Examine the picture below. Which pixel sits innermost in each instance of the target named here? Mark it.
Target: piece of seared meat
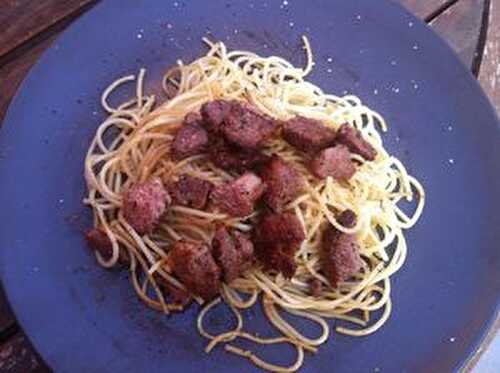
(99, 241)
(232, 158)
(233, 251)
(239, 123)
(143, 204)
(190, 191)
(277, 237)
(315, 287)
(190, 139)
(194, 265)
(340, 258)
(193, 119)
(238, 197)
(214, 113)
(246, 128)
(283, 182)
(307, 135)
(353, 139)
(177, 295)
(335, 162)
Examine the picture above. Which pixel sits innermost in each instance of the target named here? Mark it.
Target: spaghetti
(132, 145)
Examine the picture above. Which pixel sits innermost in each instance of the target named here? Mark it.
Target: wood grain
(17, 355)
(23, 19)
(13, 72)
(423, 9)
(460, 25)
(7, 320)
(489, 72)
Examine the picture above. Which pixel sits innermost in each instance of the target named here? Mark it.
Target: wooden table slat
(23, 19)
(423, 9)
(7, 319)
(13, 73)
(17, 355)
(460, 25)
(489, 72)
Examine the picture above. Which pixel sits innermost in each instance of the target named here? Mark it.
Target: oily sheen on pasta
(133, 145)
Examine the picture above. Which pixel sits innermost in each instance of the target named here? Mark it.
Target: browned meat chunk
(283, 183)
(143, 204)
(214, 113)
(231, 158)
(335, 162)
(179, 296)
(240, 124)
(285, 228)
(247, 128)
(176, 295)
(190, 191)
(277, 238)
(99, 241)
(352, 138)
(190, 139)
(308, 135)
(238, 197)
(340, 257)
(315, 287)
(347, 218)
(233, 251)
(195, 267)
(277, 256)
(193, 119)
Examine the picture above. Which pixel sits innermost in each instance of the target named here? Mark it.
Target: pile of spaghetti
(133, 145)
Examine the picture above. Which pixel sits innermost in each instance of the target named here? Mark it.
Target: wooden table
(471, 27)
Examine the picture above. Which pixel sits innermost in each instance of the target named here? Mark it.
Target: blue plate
(85, 319)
